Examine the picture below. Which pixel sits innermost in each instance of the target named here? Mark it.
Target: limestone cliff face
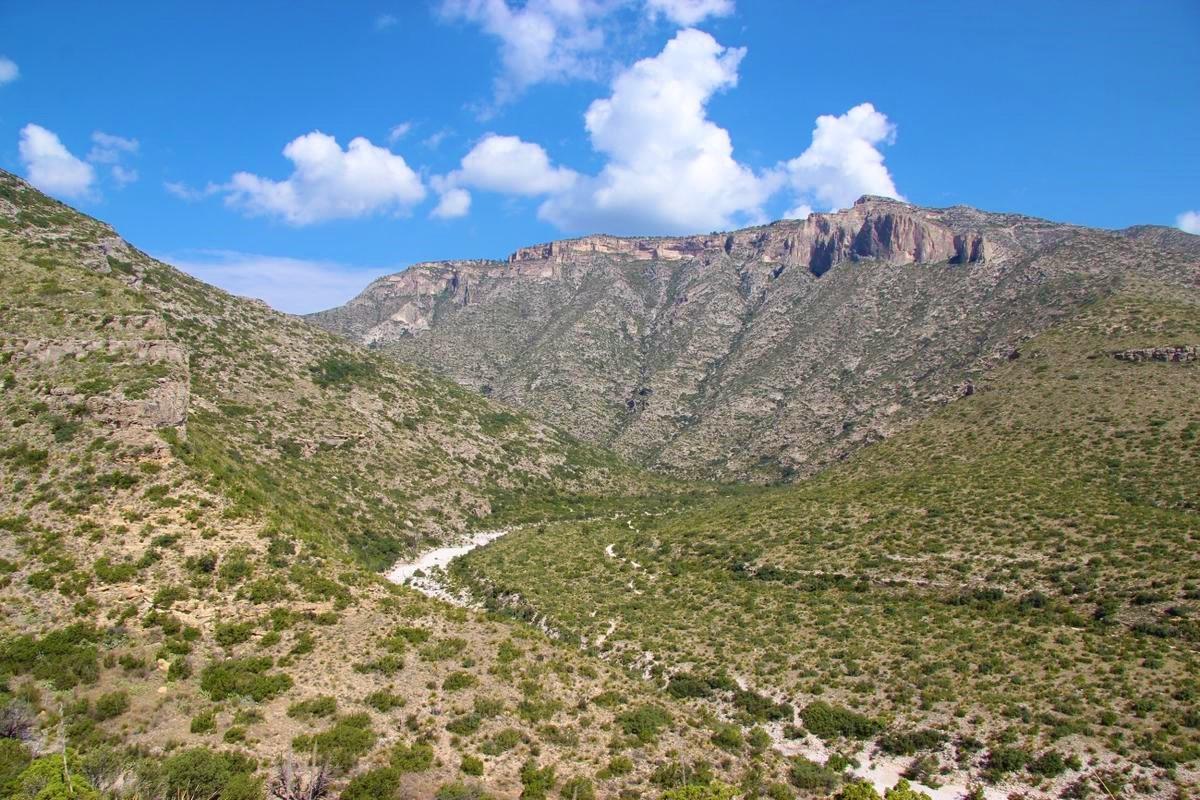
(762, 353)
(875, 228)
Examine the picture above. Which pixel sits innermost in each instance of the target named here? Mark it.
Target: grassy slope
(1068, 481)
(247, 534)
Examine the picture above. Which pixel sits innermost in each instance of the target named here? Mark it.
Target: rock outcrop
(1175, 354)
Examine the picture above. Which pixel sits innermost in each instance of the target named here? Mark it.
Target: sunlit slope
(285, 419)
(194, 490)
(1022, 568)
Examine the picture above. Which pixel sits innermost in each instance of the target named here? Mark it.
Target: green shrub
(728, 737)
(829, 722)
(45, 779)
(578, 788)
(14, 758)
(200, 772)
(443, 649)
(412, 758)
(66, 657)
(109, 572)
(537, 782)
(341, 369)
(760, 708)
(464, 724)
(501, 742)
(322, 706)
(644, 722)
(858, 790)
(227, 634)
(709, 791)
(376, 784)
(204, 722)
(457, 681)
(343, 744)
(111, 704)
(384, 701)
(248, 677)
(472, 766)
(1049, 764)
(616, 766)
(42, 581)
(903, 791)
(460, 791)
(907, 743)
(1003, 760)
(813, 777)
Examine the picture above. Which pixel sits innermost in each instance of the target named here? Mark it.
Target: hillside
(195, 492)
(761, 354)
(1007, 591)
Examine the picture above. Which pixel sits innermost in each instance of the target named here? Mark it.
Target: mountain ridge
(677, 351)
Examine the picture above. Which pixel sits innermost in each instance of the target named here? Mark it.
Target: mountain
(761, 354)
(195, 491)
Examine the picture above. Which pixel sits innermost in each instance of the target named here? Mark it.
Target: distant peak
(876, 199)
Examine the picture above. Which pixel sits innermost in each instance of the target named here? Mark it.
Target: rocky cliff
(762, 353)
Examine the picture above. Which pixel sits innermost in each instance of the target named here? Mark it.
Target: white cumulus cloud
(844, 162)
(670, 169)
(542, 40)
(328, 183)
(508, 164)
(51, 167)
(1188, 222)
(454, 202)
(9, 71)
(689, 12)
(297, 286)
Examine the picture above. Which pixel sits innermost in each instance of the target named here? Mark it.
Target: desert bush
(204, 722)
(376, 784)
(616, 766)
(416, 757)
(228, 634)
(66, 657)
(457, 681)
(813, 777)
(536, 782)
(644, 722)
(342, 744)
(578, 788)
(322, 706)
(728, 737)
(248, 677)
(829, 722)
(200, 772)
(501, 742)
(111, 704)
(384, 701)
(464, 724)
(14, 759)
(858, 790)
(907, 743)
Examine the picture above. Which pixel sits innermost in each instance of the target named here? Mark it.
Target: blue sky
(466, 128)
